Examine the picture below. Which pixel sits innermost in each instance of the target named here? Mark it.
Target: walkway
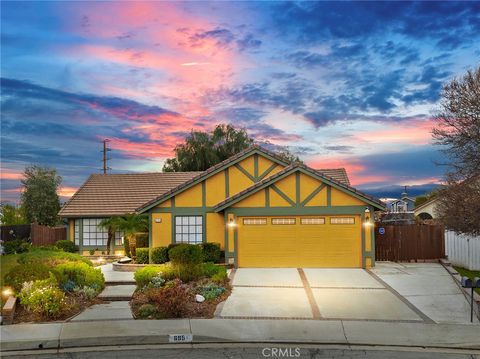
(119, 288)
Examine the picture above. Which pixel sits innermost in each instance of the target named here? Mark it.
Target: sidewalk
(135, 332)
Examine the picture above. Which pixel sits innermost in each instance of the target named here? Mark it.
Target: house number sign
(180, 338)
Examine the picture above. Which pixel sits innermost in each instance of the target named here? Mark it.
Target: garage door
(327, 241)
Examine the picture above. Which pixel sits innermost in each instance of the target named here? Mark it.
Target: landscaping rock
(200, 298)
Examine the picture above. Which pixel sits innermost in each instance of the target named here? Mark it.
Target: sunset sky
(341, 84)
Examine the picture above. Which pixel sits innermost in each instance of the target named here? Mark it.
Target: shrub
(87, 292)
(67, 246)
(216, 272)
(211, 252)
(142, 255)
(212, 291)
(146, 310)
(91, 252)
(80, 274)
(43, 297)
(159, 255)
(172, 300)
(157, 281)
(186, 254)
(28, 272)
(16, 246)
(143, 277)
(51, 257)
(170, 246)
(221, 275)
(142, 240)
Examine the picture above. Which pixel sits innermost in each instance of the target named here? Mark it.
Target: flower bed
(183, 288)
(51, 284)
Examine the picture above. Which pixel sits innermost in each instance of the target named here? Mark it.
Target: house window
(189, 229)
(283, 220)
(94, 235)
(312, 221)
(342, 220)
(76, 234)
(254, 221)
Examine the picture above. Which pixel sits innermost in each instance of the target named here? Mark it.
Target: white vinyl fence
(463, 250)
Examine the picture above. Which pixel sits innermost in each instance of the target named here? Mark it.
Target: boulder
(200, 298)
(125, 260)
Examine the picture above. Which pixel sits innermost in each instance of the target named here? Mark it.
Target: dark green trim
(227, 184)
(68, 230)
(150, 239)
(204, 195)
(285, 211)
(267, 197)
(267, 171)
(235, 243)
(225, 236)
(204, 177)
(183, 210)
(313, 194)
(281, 194)
(229, 255)
(204, 224)
(329, 196)
(172, 202)
(255, 166)
(297, 188)
(245, 172)
(307, 172)
(80, 234)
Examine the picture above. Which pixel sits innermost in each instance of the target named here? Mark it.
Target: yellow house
(266, 212)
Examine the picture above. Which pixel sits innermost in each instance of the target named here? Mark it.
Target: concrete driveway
(314, 294)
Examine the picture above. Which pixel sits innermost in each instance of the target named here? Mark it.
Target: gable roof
(210, 172)
(338, 174)
(425, 204)
(117, 194)
(289, 170)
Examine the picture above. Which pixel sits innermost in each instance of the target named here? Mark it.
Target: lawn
(468, 273)
(6, 263)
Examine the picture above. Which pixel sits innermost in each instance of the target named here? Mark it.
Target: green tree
(111, 224)
(39, 197)
(11, 215)
(203, 150)
(130, 225)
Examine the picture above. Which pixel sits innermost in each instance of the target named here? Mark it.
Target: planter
(8, 310)
(127, 267)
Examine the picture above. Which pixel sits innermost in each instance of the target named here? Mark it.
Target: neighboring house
(427, 210)
(261, 210)
(403, 205)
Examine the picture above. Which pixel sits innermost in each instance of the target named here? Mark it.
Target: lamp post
(472, 284)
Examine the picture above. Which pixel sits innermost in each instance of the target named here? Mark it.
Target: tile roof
(338, 174)
(116, 194)
(211, 170)
(287, 169)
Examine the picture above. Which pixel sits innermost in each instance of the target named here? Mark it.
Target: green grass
(468, 273)
(6, 263)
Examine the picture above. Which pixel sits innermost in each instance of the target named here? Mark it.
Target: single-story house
(403, 205)
(427, 210)
(262, 210)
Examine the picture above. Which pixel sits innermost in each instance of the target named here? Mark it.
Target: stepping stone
(117, 292)
(106, 311)
(115, 277)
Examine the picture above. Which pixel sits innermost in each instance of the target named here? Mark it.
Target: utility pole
(105, 158)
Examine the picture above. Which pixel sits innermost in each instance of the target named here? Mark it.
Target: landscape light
(7, 292)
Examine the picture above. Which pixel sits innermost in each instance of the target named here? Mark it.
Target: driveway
(429, 287)
(313, 293)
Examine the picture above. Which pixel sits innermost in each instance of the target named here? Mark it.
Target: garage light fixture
(232, 223)
(367, 222)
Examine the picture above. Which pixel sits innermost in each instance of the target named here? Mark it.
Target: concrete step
(121, 292)
(106, 311)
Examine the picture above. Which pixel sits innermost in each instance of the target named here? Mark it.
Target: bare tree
(458, 125)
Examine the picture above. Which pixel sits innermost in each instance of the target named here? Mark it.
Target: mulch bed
(204, 310)
(76, 304)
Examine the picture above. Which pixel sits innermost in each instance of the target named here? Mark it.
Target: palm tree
(130, 225)
(111, 225)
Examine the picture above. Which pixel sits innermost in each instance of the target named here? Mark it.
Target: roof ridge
(75, 194)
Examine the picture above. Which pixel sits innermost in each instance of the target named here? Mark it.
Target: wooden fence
(463, 250)
(38, 235)
(409, 242)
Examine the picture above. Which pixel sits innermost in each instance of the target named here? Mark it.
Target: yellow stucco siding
(71, 229)
(320, 199)
(161, 232)
(368, 263)
(263, 164)
(368, 243)
(237, 180)
(343, 199)
(215, 229)
(191, 197)
(255, 200)
(288, 186)
(307, 186)
(165, 204)
(215, 189)
(248, 164)
(276, 200)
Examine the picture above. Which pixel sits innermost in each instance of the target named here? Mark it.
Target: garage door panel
(299, 245)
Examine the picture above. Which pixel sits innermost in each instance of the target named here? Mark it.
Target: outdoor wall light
(7, 292)
(232, 223)
(367, 217)
(158, 220)
(471, 283)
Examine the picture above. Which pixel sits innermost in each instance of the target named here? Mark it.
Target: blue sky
(343, 84)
